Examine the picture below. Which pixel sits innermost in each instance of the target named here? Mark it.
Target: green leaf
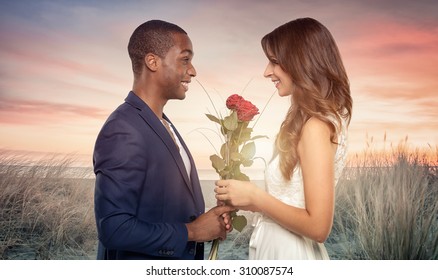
(224, 150)
(224, 131)
(213, 118)
(248, 151)
(239, 222)
(224, 174)
(236, 156)
(259, 136)
(217, 162)
(241, 177)
(244, 125)
(247, 163)
(230, 122)
(243, 136)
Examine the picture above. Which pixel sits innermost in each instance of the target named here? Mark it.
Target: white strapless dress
(270, 241)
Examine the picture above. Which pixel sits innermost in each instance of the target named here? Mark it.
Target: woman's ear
(151, 61)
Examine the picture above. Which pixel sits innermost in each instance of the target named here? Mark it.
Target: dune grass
(387, 207)
(44, 213)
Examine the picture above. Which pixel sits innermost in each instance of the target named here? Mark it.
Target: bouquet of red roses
(238, 149)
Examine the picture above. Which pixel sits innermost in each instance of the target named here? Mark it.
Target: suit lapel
(176, 153)
(194, 180)
(151, 119)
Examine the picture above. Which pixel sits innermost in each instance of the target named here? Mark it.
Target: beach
(385, 209)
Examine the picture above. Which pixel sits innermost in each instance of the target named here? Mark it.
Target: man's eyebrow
(187, 51)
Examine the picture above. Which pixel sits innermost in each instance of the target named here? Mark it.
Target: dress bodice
(292, 192)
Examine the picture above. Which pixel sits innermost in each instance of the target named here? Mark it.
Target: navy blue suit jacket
(143, 194)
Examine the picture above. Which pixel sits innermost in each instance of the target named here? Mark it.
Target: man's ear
(151, 61)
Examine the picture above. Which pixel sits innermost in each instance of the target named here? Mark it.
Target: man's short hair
(154, 36)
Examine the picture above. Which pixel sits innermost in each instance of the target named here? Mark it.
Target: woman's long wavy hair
(305, 49)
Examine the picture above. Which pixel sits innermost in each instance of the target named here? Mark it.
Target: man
(148, 200)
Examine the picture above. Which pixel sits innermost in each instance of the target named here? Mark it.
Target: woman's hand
(227, 217)
(240, 194)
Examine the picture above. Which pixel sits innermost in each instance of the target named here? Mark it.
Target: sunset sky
(65, 68)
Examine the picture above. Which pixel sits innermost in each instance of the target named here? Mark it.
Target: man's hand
(211, 225)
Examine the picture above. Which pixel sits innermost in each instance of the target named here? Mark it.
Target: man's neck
(152, 99)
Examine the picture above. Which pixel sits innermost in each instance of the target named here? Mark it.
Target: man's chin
(180, 97)
(181, 93)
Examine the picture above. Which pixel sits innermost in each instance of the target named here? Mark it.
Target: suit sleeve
(119, 163)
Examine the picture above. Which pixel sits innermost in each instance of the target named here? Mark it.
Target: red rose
(233, 101)
(246, 110)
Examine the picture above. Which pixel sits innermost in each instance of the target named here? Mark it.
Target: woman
(297, 207)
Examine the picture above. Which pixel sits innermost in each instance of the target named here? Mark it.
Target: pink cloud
(31, 112)
(386, 46)
(38, 63)
(416, 95)
(394, 61)
(40, 52)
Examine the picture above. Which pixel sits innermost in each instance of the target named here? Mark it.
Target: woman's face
(281, 80)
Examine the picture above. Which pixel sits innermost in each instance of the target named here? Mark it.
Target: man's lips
(185, 85)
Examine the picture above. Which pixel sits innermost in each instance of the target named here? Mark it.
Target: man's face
(177, 69)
